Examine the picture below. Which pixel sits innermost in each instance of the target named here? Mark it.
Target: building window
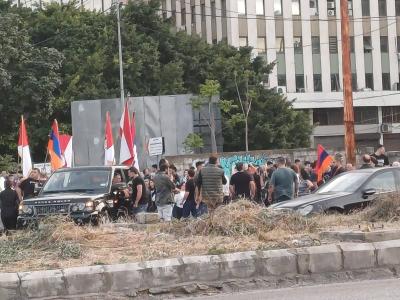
(367, 44)
(281, 79)
(354, 81)
(261, 45)
(242, 7)
(335, 83)
(260, 7)
(317, 83)
(397, 6)
(300, 83)
(280, 44)
(365, 8)
(369, 81)
(391, 114)
(193, 13)
(298, 45)
(366, 115)
(315, 45)
(278, 7)
(386, 81)
(382, 8)
(296, 7)
(384, 44)
(352, 44)
(243, 41)
(314, 7)
(350, 7)
(183, 16)
(328, 116)
(333, 47)
(331, 8)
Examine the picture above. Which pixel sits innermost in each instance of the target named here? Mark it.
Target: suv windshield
(78, 180)
(347, 183)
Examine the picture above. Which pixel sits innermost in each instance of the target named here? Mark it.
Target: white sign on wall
(156, 146)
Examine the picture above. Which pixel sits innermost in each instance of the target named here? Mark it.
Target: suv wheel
(102, 218)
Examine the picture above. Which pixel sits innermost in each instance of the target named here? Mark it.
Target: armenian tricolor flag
(323, 162)
(54, 148)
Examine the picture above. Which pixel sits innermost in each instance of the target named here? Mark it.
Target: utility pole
(121, 71)
(348, 113)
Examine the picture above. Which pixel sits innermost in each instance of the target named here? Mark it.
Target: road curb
(213, 268)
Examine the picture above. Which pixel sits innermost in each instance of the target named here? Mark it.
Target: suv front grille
(52, 209)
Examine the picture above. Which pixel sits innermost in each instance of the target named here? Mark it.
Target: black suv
(86, 194)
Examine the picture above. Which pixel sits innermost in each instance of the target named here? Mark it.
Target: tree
(28, 78)
(192, 142)
(209, 95)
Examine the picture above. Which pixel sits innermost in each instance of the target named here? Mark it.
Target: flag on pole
(23, 149)
(109, 155)
(66, 149)
(54, 148)
(135, 156)
(125, 130)
(323, 162)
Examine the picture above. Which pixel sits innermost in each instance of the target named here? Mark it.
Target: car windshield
(347, 183)
(78, 181)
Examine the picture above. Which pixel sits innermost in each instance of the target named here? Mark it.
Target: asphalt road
(359, 290)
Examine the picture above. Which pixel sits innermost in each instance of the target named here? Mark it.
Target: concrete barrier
(154, 275)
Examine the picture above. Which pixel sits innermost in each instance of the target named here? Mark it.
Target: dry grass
(241, 226)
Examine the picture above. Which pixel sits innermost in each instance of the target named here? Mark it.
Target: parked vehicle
(86, 194)
(346, 192)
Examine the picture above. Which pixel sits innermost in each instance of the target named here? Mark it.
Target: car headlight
(81, 206)
(89, 205)
(25, 209)
(306, 210)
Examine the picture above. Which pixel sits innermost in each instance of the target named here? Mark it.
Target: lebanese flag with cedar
(109, 155)
(126, 154)
(23, 149)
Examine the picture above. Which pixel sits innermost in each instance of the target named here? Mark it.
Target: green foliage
(192, 142)
(8, 163)
(59, 54)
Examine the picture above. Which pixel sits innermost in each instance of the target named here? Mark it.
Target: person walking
(284, 183)
(152, 207)
(380, 157)
(189, 201)
(209, 182)
(164, 193)
(9, 202)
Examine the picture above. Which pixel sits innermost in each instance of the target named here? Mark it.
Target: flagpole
(121, 70)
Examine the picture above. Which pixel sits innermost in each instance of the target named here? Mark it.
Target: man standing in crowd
(189, 201)
(381, 158)
(242, 184)
(338, 167)
(9, 202)
(164, 193)
(366, 162)
(146, 174)
(139, 194)
(209, 182)
(284, 183)
(27, 187)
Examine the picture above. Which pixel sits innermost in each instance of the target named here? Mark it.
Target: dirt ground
(241, 226)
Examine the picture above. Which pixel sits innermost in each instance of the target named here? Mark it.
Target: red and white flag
(109, 155)
(23, 149)
(135, 156)
(126, 155)
(66, 150)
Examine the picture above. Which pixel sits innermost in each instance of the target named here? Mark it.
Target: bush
(386, 208)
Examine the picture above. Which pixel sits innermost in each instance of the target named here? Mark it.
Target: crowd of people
(201, 188)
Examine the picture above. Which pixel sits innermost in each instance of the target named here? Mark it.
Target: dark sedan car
(347, 191)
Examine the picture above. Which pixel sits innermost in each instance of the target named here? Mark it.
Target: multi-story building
(303, 37)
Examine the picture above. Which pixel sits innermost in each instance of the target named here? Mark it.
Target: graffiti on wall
(228, 163)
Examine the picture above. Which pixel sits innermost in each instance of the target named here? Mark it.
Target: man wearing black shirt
(380, 157)
(9, 206)
(139, 194)
(242, 184)
(27, 187)
(189, 203)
